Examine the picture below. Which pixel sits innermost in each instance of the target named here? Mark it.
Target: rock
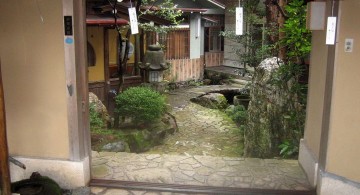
(265, 129)
(137, 141)
(207, 82)
(100, 108)
(211, 100)
(115, 147)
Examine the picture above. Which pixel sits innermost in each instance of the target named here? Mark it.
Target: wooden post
(137, 55)
(5, 188)
(106, 66)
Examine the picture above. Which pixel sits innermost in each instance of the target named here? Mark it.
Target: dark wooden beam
(177, 188)
(106, 66)
(5, 188)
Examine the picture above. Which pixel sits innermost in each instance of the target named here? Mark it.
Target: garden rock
(115, 147)
(143, 140)
(269, 103)
(99, 108)
(211, 100)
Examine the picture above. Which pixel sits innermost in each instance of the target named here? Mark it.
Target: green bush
(95, 118)
(141, 104)
(237, 113)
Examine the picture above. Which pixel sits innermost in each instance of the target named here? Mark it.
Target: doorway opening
(204, 145)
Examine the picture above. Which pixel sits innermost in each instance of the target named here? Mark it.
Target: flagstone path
(206, 151)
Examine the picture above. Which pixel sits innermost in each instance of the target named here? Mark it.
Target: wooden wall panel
(186, 69)
(214, 58)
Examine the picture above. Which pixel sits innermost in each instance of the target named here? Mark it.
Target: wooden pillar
(106, 67)
(137, 55)
(5, 188)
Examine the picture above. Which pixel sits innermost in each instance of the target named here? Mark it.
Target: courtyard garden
(260, 116)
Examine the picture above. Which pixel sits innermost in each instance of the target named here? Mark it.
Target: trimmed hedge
(141, 104)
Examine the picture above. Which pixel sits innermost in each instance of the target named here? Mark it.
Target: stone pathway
(205, 151)
(202, 131)
(200, 170)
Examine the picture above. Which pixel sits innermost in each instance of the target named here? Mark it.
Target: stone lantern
(154, 64)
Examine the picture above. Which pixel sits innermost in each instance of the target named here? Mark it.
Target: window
(215, 41)
(177, 44)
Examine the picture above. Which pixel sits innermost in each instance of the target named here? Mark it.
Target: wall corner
(308, 163)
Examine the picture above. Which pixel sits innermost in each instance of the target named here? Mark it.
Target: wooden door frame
(77, 81)
(5, 187)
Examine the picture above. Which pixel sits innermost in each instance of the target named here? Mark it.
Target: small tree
(164, 9)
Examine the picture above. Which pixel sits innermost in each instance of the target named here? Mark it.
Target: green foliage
(194, 83)
(142, 104)
(238, 114)
(297, 38)
(165, 10)
(297, 41)
(95, 118)
(289, 149)
(280, 124)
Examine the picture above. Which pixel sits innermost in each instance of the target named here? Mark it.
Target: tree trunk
(272, 20)
(281, 21)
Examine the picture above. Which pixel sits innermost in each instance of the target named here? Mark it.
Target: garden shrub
(143, 105)
(95, 119)
(237, 113)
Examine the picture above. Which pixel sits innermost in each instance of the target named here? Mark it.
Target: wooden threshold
(192, 189)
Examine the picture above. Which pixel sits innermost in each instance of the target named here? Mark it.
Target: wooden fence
(214, 58)
(185, 69)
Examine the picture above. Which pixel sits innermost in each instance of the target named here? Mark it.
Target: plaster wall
(32, 58)
(344, 134)
(316, 90)
(113, 34)
(95, 36)
(195, 36)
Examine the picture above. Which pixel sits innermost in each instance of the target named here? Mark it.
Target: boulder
(100, 108)
(270, 104)
(145, 139)
(211, 100)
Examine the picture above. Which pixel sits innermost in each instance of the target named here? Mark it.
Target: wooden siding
(185, 69)
(214, 59)
(177, 43)
(98, 87)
